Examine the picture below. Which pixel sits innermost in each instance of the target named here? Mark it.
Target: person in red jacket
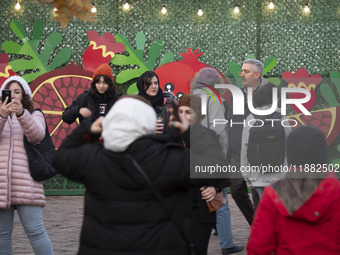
(301, 213)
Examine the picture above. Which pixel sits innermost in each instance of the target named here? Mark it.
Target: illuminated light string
(164, 10)
(306, 9)
(200, 12)
(126, 6)
(93, 9)
(18, 6)
(236, 9)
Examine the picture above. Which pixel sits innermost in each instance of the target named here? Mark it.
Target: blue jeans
(31, 220)
(260, 191)
(224, 225)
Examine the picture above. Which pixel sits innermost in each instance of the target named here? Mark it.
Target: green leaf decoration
(251, 56)
(132, 89)
(235, 69)
(335, 77)
(328, 93)
(269, 65)
(276, 81)
(30, 48)
(336, 160)
(167, 58)
(136, 58)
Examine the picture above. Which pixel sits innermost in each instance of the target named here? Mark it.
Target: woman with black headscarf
(148, 87)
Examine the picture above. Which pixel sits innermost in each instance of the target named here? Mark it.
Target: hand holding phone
(174, 106)
(6, 93)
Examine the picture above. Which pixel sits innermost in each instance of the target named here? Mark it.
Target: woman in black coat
(202, 221)
(97, 101)
(148, 87)
(121, 213)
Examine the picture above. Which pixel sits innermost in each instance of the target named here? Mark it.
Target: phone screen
(6, 93)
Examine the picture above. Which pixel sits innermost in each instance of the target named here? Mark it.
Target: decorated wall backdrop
(294, 39)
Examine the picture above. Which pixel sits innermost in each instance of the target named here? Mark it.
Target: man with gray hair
(251, 75)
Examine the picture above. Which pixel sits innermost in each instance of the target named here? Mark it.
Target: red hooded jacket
(313, 229)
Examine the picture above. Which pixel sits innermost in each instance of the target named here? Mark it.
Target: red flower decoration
(301, 79)
(101, 50)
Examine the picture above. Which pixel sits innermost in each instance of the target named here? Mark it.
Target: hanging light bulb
(236, 10)
(126, 6)
(306, 9)
(164, 9)
(200, 12)
(271, 5)
(17, 6)
(93, 9)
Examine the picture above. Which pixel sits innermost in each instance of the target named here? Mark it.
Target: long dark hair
(111, 91)
(26, 101)
(144, 81)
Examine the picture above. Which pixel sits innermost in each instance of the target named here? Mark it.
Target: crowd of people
(135, 154)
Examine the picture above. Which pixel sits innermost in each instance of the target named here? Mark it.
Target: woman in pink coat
(18, 191)
(300, 214)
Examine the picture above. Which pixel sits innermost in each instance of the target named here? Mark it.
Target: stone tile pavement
(63, 218)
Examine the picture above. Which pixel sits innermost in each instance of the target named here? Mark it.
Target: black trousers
(200, 232)
(239, 192)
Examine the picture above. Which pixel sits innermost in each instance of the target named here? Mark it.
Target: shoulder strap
(208, 122)
(160, 200)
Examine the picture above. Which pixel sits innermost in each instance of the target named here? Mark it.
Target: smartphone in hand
(6, 93)
(174, 106)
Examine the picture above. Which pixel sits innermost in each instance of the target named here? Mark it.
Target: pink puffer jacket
(16, 184)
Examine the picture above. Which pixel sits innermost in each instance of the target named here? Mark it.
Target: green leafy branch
(327, 91)
(136, 58)
(29, 48)
(269, 65)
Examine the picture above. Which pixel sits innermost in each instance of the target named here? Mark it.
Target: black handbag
(192, 249)
(40, 157)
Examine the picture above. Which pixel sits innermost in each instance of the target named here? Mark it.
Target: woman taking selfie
(18, 191)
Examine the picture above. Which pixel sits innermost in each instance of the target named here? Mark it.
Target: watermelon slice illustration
(54, 91)
(327, 120)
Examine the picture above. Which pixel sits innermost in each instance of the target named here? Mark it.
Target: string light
(164, 9)
(93, 9)
(18, 6)
(306, 9)
(55, 9)
(126, 6)
(200, 12)
(271, 5)
(236, 10)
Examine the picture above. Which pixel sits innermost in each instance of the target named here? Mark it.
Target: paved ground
(63, 219)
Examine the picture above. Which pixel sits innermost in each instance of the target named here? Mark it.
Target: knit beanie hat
(103, 69)
(128, 120)
(206, 76)
(306, 145)
(21, 81)
(192, 101)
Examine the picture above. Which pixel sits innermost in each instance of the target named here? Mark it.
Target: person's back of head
(130, 118)
(263, 95)
(207, 76)
(306, 145)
